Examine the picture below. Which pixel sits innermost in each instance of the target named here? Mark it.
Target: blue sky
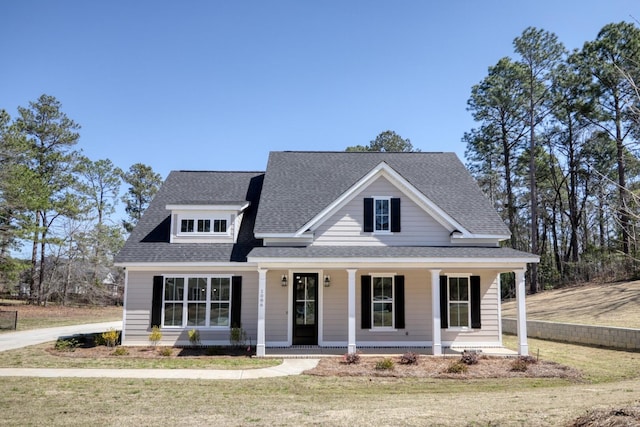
(213, 85)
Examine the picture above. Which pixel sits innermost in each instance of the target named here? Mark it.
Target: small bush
(66, 344)
(155, 336)
(120, 351)
(521, 364)
(409, 358)
(351, 358)
(457, 367)
(237, 337)
(111, 337)
(165, 351)
(469, 357)
(385, 364)
(194, 337)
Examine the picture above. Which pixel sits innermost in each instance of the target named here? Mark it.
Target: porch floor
(312, 351)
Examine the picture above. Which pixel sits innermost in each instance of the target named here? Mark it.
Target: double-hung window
(382, 214)
(459, 302)
(206, 302)
(382, 302)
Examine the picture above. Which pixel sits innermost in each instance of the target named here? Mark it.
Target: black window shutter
(156, 301)
(399, 301)
(475, 302)
(395, 215)
(366, 301)
(236, 301)
(368, 214)
(444, 303)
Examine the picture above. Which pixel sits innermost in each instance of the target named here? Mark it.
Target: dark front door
(305, 309)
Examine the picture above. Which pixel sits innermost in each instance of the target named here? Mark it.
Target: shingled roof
(299, 185)
(149, 241)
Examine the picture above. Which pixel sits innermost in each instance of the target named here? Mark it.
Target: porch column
(262, 297)
(435, 308)
(351, 302)
(523, 347)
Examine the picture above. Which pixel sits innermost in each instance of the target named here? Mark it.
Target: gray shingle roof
(149, 241)
(347, 252)
(299, 185)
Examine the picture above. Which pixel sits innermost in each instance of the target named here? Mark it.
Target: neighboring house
(335, 249)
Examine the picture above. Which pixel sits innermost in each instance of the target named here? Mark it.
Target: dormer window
(202, 225)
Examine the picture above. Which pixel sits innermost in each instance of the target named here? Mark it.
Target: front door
(305, 308)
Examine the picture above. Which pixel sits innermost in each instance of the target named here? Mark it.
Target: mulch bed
(436, 367)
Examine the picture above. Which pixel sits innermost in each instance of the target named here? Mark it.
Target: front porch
(340, 325)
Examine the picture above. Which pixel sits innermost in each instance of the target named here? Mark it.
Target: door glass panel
(305, 300)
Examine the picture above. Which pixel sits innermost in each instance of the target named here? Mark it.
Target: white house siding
(489, 334)
(335, 308)
(345, 227)
(138, 310)
(277, 312)
(418, 312)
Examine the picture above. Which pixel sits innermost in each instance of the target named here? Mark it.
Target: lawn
(609, 304)
(51, 315)
(611, 379)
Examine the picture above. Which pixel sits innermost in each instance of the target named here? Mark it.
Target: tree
(46, 174)
(386, 141)
(144, 184)
(615, 51)
(497, 102)
(539, 52)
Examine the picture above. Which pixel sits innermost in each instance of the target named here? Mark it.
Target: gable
(298, 186)
(345, 227)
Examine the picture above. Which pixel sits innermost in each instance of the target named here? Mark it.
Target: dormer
(206, 223)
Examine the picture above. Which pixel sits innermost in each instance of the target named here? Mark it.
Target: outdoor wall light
(327, 281)
(284, 280)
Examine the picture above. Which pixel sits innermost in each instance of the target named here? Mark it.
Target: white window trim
(195, 231)
(375, 199)
(459, 328)
(185, 301)
(393, 303)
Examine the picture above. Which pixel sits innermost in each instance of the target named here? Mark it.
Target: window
(382, 302)
(381, 215)
(206, 302)
(459, 302)
(203, 225)
(382, 299)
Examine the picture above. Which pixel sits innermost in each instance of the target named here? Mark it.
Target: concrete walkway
(13, 340)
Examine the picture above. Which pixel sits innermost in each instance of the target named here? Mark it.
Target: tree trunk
(533, 286)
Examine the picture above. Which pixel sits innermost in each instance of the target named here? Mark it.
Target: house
(331, 249)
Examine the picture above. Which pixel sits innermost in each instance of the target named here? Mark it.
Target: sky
(216, 85)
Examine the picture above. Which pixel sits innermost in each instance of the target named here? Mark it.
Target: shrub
(165, 351)
(385, 364)
(457, 367)
(469, 357)
(155, 336)
(111, 337)
(237, 337)
(194, 337)
(120, 351)
(521, 364)
(351, 358)
(66, 344)
(409, 358)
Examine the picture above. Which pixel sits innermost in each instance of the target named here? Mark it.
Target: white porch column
(523, 347)
(262, 297)
(351, 302)
(435, 308)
